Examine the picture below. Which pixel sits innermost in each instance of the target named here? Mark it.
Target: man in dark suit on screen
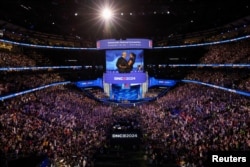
(122, 63)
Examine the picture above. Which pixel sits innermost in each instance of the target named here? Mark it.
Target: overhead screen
(113, 55)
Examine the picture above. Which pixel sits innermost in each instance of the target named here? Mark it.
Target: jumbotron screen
(112, 57)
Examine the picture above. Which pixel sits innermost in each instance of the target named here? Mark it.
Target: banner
(124, 44)
(161, 82)
(90, 83)
(122, 78)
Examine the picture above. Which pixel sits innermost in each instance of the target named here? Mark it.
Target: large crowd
(55, 122)
(13, 81)
(231, 53)
(182, 126)
(235, 52)
(191, 120)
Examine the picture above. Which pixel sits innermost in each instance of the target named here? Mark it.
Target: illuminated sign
(124, 44)
(124, 78)
(160, 82)
(125, 136)
(121, 78)
(90, 83)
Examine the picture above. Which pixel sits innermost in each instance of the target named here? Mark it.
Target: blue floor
(121, 92)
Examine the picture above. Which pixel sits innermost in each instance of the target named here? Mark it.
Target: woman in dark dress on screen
(131, 61)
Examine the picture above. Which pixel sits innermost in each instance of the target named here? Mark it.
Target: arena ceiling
(132, 18)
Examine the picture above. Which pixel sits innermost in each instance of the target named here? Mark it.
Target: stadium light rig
(107, 14)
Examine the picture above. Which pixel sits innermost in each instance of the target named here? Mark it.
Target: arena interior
(47, 47)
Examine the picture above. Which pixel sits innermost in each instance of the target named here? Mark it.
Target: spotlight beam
(107, 14)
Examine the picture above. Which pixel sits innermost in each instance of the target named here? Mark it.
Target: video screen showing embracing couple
(124, 61)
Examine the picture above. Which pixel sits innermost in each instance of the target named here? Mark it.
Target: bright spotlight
(107, 14)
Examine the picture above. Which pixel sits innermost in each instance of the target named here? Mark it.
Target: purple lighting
(121, 78)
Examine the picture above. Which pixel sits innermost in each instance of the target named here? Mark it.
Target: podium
(125, 86)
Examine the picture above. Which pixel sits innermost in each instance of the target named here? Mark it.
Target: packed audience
(182, 126)
(235, 52)
(10, 59)
(12, 82)
(212, 35)
(42, 123)
(239, 79)
(63, 123)
(191, 120)
(19, 82)
(231, 53)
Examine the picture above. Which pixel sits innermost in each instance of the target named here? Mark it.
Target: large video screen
(113, 56)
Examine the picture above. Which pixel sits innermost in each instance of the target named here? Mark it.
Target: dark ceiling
(132, 18)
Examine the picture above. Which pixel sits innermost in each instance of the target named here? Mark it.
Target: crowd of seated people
(182, 126)
(13, 82)
(235, 79)
(212, 35)
(16, 83)
(232, 53)
(56, 122)
(37, 38)
(235, 52)
(10, 59)
(191, 120)
(232, 76)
